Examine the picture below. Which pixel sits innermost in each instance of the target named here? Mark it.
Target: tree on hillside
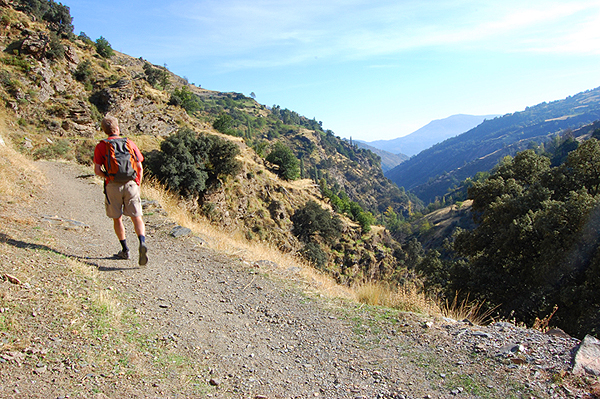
(103, 48)
(312, 220)
(559, 148)
(57, 15)
(55, 51)
(190, 163)
(224, 124)
(156, 76)
(282, 156)
(83, 73)
(185, 98)
(222, 159)
(585, 163)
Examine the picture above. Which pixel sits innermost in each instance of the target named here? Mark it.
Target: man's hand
(99, 172)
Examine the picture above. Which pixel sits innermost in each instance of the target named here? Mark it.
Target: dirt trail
(260, 336)
(257, 335)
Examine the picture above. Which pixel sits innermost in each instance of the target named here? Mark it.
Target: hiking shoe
(122, 254)
(143, 255)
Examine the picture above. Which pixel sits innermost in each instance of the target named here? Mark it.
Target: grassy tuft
(408, 298)
(466, 309)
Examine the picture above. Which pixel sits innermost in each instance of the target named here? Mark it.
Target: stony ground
(238, 328)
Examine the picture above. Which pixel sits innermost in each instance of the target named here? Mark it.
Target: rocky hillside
(55, 87)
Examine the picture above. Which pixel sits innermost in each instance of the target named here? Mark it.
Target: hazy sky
(367, 69)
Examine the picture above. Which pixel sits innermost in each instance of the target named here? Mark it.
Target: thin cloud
(269, 33)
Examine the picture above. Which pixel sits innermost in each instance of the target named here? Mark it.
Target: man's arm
(139, 164)
(99, 172)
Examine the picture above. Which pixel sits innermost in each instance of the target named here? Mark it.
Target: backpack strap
(106, 159)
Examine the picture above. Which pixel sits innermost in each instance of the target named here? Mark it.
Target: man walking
(119, 162)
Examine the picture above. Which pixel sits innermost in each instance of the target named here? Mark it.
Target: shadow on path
(87, 260)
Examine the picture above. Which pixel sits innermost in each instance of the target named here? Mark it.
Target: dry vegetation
(409, 297)
(18, 177)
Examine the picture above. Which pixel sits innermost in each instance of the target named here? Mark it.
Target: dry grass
(181, 213)
(411, 298)
(466, 309)
(109, 308)
(18, 176)
(145, 142)
(407, 298)
(543, 325)
(234, 243)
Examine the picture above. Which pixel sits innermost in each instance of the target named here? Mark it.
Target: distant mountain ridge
(434, 132)
(433, 171)
(388, 159)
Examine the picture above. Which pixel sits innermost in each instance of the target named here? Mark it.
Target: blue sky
(371, 70)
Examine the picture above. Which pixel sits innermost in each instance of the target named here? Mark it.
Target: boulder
(180, 231)
(35, 44)
(71, 55)
(587, 358)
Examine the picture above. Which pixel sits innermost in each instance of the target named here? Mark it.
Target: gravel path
(260, 335)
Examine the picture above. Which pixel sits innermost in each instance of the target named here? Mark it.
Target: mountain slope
(433, 171)
(434, 132)
(388, 159)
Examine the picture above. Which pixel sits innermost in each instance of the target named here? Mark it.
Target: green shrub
(84, 152)
(57, 15)
(313, 220)
(84, 72)
(184, 98)
(11, 85)
(224, 124)
(103, 48)
(156, 76)
(190, 163)
(86, 39)
(21, 62)
(260, 147)
(59, 150)
(8, 17)
(365, 220)
(282, 156)
(313, 252)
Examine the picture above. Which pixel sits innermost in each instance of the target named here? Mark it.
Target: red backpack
(121, 160)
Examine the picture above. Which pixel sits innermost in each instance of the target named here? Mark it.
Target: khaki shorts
(123, 199)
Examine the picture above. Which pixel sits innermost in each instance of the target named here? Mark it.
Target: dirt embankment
(195, 323)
